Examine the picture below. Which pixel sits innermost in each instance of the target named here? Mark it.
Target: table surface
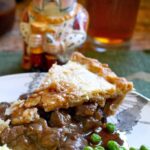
(140, 40)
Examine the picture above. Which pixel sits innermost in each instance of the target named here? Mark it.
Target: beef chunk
(50, 139)
(11, 134)
(90, 114)
(90, 124)
(87, 109)
(34, 136)
(43, 137)
(21, 143)
(59, 119)
(3, 107)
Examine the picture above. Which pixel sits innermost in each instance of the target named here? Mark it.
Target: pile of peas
(111, 145)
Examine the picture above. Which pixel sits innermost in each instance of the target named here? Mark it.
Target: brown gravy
(62, 129)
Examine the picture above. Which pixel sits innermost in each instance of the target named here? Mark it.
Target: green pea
(122, 148)
(110, 127)
(144, 147)
(133, 148)
(112, 145)
(88, 148)
(95, 138)
(99, 148)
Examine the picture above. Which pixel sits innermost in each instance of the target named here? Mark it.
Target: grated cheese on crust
(84, 81)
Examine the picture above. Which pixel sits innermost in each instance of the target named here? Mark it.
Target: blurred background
(108, 18)
(12, 41)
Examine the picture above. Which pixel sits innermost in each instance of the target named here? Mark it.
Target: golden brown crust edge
(41, 97)
(123, 86)
(103, 70)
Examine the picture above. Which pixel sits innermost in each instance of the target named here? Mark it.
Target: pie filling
(73, 102)
(62, 129)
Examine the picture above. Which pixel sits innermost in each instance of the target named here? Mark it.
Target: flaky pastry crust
(59, 90)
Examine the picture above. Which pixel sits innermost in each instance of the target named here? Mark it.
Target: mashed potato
(3, 125)
(4, 147)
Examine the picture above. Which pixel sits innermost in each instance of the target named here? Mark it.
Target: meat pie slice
(71, 105)
(79, 81)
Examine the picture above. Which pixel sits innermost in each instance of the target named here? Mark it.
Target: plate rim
(16, 74)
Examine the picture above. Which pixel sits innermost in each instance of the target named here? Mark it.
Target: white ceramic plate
(133, 117)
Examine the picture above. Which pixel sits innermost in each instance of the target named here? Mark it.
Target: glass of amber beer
(112, 22)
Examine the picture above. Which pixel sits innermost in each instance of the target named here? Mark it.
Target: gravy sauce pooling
(64, 129)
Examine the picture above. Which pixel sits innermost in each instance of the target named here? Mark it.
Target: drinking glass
(112, 22)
